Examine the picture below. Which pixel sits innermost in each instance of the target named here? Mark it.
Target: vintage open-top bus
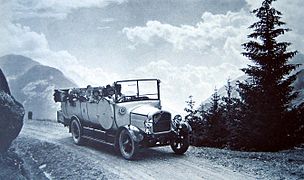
(127, 114)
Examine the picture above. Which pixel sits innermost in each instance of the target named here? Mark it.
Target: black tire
(76, 131)
(180, 144)
(126, 145)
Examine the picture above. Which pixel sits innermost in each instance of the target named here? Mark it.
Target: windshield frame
(137, 84)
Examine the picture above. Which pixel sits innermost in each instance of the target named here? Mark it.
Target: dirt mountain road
(51, 146)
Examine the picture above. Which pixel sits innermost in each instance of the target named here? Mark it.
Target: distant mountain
(298, 84)
(15, 65)
(32, 84)
(40, 73)
(299, 87)
(298, 59)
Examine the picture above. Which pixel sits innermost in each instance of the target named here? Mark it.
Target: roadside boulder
(3, 83)
(11, 116)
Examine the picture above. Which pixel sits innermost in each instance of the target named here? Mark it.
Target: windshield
(137, 90)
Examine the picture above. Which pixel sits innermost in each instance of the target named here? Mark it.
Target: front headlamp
(148, 126)
(178, 118)
(148, 123)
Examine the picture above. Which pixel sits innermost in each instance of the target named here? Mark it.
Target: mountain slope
(15, 65)
(40, 75)
(299, 87)
(33, 84)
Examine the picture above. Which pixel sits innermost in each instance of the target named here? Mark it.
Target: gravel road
(50, 146)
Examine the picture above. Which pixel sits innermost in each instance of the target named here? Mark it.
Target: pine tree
(216, 127)
(228, 99)
(195, 122)
(230, 115)
(267, 92)
(190, 107)
(215, 101)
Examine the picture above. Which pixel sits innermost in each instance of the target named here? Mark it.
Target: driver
(110, 91)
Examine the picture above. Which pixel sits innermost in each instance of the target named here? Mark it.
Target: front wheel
(180, 144)
(127, 146)
(76, 131)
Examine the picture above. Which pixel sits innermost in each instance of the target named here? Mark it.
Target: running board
(98, 140)
(98, 135)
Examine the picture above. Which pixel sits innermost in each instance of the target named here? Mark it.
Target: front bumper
(160, 139)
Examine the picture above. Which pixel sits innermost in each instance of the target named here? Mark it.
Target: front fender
(136, 133)
(183, 127)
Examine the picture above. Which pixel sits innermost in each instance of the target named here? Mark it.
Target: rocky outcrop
(3, 83)
(11, 116)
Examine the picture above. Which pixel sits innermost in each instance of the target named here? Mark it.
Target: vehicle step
(98, 140)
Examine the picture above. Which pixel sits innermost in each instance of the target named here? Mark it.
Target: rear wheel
(76, 131)
(180, 144)
(127, 146)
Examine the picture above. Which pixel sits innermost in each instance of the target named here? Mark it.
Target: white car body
(113, 111)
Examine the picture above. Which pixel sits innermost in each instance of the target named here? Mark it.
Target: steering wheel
(121, 99)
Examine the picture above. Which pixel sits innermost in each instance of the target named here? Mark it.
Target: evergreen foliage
(262, 119)
(195, 122)
(268, 92)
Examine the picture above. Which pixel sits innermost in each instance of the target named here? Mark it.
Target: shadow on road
(156, 153)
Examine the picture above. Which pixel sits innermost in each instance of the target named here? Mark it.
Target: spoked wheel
(180, 144)
(127, 146)
(76, 131)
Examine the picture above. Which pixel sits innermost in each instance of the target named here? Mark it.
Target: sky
(192, 46)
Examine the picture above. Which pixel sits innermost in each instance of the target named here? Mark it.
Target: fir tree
(190, 107)
(267, 93)
(231, 115)
(195, 122)
(215, 101)
(216, 127)
(228, 99)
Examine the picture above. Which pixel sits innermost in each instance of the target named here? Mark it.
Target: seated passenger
(73, 94)
(96, 95)
(89, 91)
(110, 91)
(118, 89)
